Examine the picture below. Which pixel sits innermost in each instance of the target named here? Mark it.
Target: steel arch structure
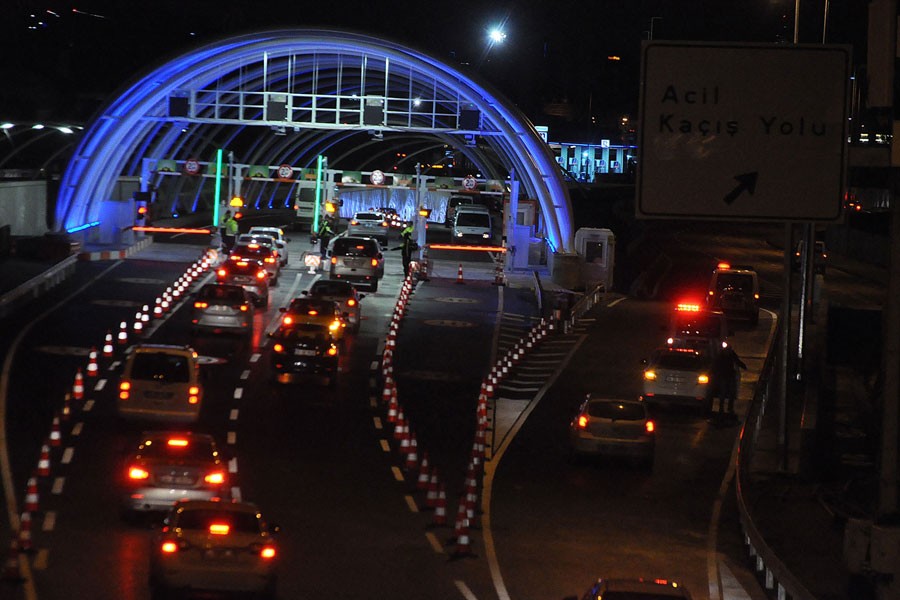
(336, 83)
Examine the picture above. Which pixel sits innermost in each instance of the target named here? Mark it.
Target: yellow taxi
(317, 311)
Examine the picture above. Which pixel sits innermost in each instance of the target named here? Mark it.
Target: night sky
(74, 55)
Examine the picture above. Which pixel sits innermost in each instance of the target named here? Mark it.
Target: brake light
(384, 224)
(354, 222)
(261, 274)
(756, 296)
(215, 478)
(253, 246)
(312, 312)
(334, 260)
(221, 272)
(169, 547)
(124, 390)
(177, 442)
(332, 351)
(374, 262)
(278, 348)
(723, 265)
(219, 528)
(582, 421)
(687, 307)
(138, 474)
(702, 378)
(201, 305)
(649, 426)
(334, 326)
(650, 375)
(193, 394)
(287, 320)
(270, 260)
(267, 552)
(244, 308)
(351, 302)
(712, 292)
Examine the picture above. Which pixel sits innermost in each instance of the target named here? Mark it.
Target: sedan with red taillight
(613, 427)
(172, 465)
(250, 275)
(221, 307)
(304, 349)
(214, 546)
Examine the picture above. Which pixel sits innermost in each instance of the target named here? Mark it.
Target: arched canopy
(289, 95)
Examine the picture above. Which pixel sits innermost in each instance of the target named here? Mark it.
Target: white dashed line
(464, 590)
(49, 520)
(373, 366)
(233, 415)
(114, 365)
(231, 437)
(40, 561)
(236, 494)
(101, 383)
(67, 455)
(398, 474)
(614, 302)
(435, 544)
(377, 421)
(411, 503)
(255, 357)
(238, 392)
(88, 405)
(385, 446)
(58, 484)
(373, 401)
(372, 383)
(232, 465)
(245, 375)
(76, 428)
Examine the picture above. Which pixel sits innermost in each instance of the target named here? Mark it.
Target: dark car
(262, 253)
(306, 349)
(250, 275)
(344, 294)
(635, 589)
(220, 307)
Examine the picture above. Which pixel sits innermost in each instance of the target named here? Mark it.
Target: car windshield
(255, 251)
(467, 219)
(698, 326)
(331, 288)
(161, 366)
(202, 519)
(192, 448)
(735, 282)
(624, 411)
(224, 293)
(683, 361)
(355, 247)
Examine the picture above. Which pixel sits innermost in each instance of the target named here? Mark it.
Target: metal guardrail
(776, 577)
(36, 286)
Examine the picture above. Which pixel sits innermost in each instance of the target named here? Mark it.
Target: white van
(160, 382)
(472, 225)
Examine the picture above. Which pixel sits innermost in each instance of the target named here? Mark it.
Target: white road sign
(743, 131)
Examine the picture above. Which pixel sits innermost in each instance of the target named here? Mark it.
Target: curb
(116, 254)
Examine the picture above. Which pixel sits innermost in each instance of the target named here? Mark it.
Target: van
(734, 290)
(472, 224)
(358, 260)
(160, 382)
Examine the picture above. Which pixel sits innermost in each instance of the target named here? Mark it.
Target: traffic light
(140, 217)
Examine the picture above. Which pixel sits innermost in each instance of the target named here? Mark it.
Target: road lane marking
(238, 392)
(67, 455)
(245, 375)
(616, 301)
(40, 561)
(114, 365)
(232, 465)
(255, 357)
(101, 383)
(88, 405)
(233, 415)
(464, 590)
(76, 429)
(384, 445)
(435, 544)
(236, 493)
(49, 520)
(411, 503)
(373, 366)
(58, 484)
(373, 402)
(231, 438)
(377, 421)
(398, 474)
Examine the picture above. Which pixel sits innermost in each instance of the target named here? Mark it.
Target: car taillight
(138, 474)
(124, 390)
(177, 442)
(193, 394)
(334, 326)
(244, 308)
(270, 260)
(215, 478)
(712, 292)
(374, 262)
(200, 305)
(261, 274)
(649, 426)
(278, 348)
(334, 260)
(384, 224)
(332, 351)
(702, 378)
(267, 552)
(287, 320)
(351, 302)
(219, 528)
(756, 296)
(312, 312)
(169, 547)
(354, 222)
(650, 375)
(582, 421)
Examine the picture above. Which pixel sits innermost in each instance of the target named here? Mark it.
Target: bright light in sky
(497, 35)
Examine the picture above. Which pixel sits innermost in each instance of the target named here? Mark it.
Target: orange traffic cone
(108, 344)
(25, 532)
(399, 429)
(92, 367)
(11, 570)
(55, 436)
(78, 386)
(157, 308)
(31, 495)
(138, 326)
(431, 496)
(459, 275)
(393, 405)
(43, 468)
(463, 543)
(422, 481)
(440, 509)
(412, 453)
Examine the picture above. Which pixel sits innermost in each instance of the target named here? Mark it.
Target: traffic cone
(440, 509)
(463, 543)
(431, 495)
(422, 481)
(78, 386)
(401, 431)
(459, 275)
(55, 436)
(31, 495)
(498, 276)
(108, 344)
(66, 408)
(122, 339)
(92, 367)
(157, 308)
(43, 468)
(138, 326)
(412, 453)
(145, 315)
(25, 532)
(393, 405)
(460, 521)
(386, 393)
(11, 570)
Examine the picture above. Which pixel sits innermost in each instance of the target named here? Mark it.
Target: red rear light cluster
(332, 351)
(193, 394)
(582, 421)
(351, 302)
(215, 478)
(374, 262)
(649, 426)
(278, 348)
(687, 307)
(136, 473)
(261, 274)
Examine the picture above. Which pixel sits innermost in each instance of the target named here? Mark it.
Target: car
(280, 240)
(357, 260)
(454, 203)
(315, 310)
(250, 275)
(734, 290)
(172, 465)
(217, 546)
(635, 589)
(220, 307)
(472, 224)
(369, 224)
(695, 327)
(612, 427)
(819, 262)
(259, 252)
(270, 242)
(391, 216)
(678, 375)
(342, 292)
(305, 349)
(160, 382)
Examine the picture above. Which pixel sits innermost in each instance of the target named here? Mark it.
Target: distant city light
(37, 126)
(7, 126)
(497, 35)
(417, 102)
(613, 57)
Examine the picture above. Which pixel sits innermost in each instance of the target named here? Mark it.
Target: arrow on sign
(746, 182)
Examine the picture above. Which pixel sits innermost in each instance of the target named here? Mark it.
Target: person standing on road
(229, 231)
(325, 233)
(726, 373)
(407, 245)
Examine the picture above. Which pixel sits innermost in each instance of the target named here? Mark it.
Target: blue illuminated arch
(136, 123)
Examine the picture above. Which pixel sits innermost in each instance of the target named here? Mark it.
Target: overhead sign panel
(743, 132)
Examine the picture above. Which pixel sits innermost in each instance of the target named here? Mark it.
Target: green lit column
(218, 199)
(319, 175)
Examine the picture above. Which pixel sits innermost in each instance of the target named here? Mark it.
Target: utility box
(598, 248)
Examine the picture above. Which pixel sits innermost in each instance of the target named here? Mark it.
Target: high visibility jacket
(231, 226)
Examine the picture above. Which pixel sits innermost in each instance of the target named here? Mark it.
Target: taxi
(318, 311)
(342, 292)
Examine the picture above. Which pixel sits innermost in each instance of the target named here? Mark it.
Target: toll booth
(598, 249)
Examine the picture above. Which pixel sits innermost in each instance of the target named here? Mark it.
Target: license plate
(158, 395)
(671, 379)
(243, 279)
(176, 480)
(302, 352)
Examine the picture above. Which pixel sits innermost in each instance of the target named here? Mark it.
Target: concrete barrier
(37, 286)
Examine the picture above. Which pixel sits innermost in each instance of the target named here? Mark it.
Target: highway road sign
(743, 131)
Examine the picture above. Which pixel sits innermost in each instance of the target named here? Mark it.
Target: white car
(369, 224)
(679, 375)
(280, 241)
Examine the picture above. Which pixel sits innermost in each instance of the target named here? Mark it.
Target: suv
(161, 383)
(734, 290)
(357, 259)
(369, 224)
(344, 294)
(267, 255)
(249, 274)
(223, 307)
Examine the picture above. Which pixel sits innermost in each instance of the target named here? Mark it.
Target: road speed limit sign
(469, 182)
(285, 171)
(192, 166)
(377, 177)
